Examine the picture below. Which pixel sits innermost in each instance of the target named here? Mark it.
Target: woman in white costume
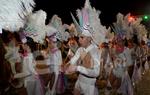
(55, 60)
(32, 81)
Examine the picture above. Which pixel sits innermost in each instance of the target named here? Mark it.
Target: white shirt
(29, 64)
(55, 58)
(28, 67)
(95, 54)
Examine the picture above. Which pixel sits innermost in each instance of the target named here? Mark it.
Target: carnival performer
(59, 34)
(55, 60)
(32, 81)
(88, 68)
(87, 58)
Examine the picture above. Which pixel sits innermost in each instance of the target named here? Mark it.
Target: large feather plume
(139, 30)
(118, 27)
(77, 26)
(89, 16)
(124, 28)
(13, 13)
(50, 30)
(35, 26)
(61, 34)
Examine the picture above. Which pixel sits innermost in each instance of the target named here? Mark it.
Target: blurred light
(145, 17)
(131, 18)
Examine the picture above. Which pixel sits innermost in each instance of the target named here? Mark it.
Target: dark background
(108, 8)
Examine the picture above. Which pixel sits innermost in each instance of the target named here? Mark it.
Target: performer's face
(26, 47)
(51, 44)
(84, 41)
(120, 43)
(72, 43)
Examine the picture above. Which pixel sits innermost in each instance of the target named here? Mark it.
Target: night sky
(108, 8)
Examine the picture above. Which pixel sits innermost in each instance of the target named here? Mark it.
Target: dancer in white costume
(55, 60)
(32, 81)
(56, 32)
(86, 60)
(89, 67)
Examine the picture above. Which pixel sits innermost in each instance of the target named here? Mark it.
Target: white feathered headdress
(139, 30)
(13, 13)
(89, 21)
(35, 26)
(61, 34)
(124, 28)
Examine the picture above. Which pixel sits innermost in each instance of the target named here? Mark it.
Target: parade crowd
(83, 58)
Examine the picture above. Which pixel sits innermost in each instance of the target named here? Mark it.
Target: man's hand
(71, 69)
(64, 67)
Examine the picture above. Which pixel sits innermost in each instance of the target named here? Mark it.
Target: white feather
(98, 31)
(14, 12)
(35, 26)
(50, 30)
(61, 34)
(139, 29)
(129, 28)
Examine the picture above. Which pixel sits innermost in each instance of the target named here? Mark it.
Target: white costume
(32, 81)
(86, 84)
(120, 64)
(55, 61)
(127, 53)
(90, 26)
(56, 30)
(12, 56)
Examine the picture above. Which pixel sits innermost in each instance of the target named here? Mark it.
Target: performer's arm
(75, 58)
(92, 72)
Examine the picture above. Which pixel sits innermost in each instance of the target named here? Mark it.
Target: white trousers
(86, 86)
